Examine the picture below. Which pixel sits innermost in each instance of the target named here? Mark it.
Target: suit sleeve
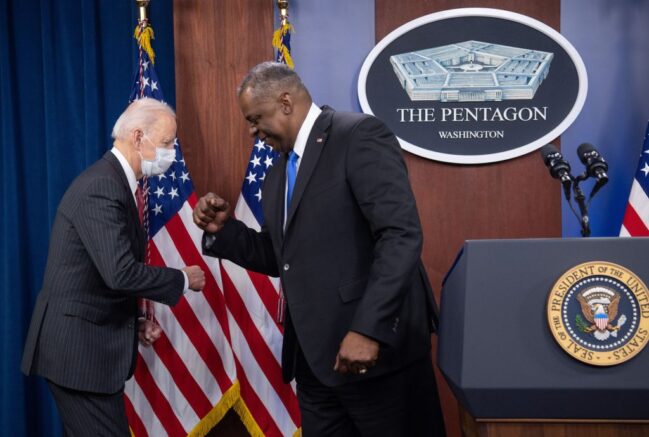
(379, 181)
(101, 222)
(243, 246)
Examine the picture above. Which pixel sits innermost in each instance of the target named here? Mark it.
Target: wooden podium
(499, 356)
(548, 428)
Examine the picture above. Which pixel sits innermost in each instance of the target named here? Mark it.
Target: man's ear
(136, 136)
(287, 103)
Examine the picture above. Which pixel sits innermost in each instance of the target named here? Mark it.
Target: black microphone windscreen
(584, 150)
(548, 150)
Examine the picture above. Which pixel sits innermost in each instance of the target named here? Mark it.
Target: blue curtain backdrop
(66, 69)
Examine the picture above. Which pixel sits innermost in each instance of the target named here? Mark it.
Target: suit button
(130, 325)
(286, 267)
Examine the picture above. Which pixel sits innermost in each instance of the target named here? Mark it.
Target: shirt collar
(305, 129)
(130, 174)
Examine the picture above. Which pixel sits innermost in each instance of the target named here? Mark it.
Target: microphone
(596, 167)
(559, 167)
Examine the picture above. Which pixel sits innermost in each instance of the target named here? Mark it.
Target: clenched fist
(148, 332)
(211, 213)
(196, 277)
(357, 354)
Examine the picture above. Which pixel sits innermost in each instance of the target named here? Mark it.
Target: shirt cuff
(209, 240)
(186, 287)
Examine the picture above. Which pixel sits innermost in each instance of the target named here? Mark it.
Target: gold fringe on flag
(278, 42)
(230, 398)
(282, 34)
(247, 419)
(144, 34)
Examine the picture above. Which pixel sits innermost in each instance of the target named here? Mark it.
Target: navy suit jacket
(349, 256)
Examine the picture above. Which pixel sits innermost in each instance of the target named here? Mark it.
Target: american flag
(271, 406)
(253, 300)
(221, 348)
(636, 217)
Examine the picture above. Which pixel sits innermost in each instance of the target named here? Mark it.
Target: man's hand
(196, 277)
(211, 212)
(357, 354)
(148, 331)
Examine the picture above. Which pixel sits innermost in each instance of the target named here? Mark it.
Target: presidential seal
(598, 312)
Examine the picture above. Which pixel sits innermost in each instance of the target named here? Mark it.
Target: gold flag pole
(142, 4)
(143, 31)
(283, 11)
(144, 34)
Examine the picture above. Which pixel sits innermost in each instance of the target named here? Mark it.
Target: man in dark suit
(343, 234)
(83, 333)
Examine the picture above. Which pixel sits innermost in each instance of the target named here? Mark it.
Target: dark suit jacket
(83, 333)
(349, 258)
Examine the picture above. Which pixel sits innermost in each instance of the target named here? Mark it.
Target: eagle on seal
(600, 307)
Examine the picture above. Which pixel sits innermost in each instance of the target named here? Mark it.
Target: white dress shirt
(300, 145)
(130, 174)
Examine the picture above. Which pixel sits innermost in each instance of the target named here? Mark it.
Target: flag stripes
(636, 216)
(247, 299)
(218, 360)
(219, 348)
(136, 424)
(182, 378)
(160, 405)
(261, 354)
(209, 340)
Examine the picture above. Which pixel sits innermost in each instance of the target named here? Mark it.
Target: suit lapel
(314, 146)
(273, 198)
(132, 208)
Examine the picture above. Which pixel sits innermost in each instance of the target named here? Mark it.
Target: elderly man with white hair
(84, 329)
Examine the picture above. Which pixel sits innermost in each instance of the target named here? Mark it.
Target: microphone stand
(581, 201)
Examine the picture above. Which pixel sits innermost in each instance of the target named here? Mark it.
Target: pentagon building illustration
(472, 71)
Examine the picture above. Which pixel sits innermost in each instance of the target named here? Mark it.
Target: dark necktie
(145, 306)
(140, 201)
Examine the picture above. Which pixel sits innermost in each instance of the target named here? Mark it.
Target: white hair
(141, 114)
